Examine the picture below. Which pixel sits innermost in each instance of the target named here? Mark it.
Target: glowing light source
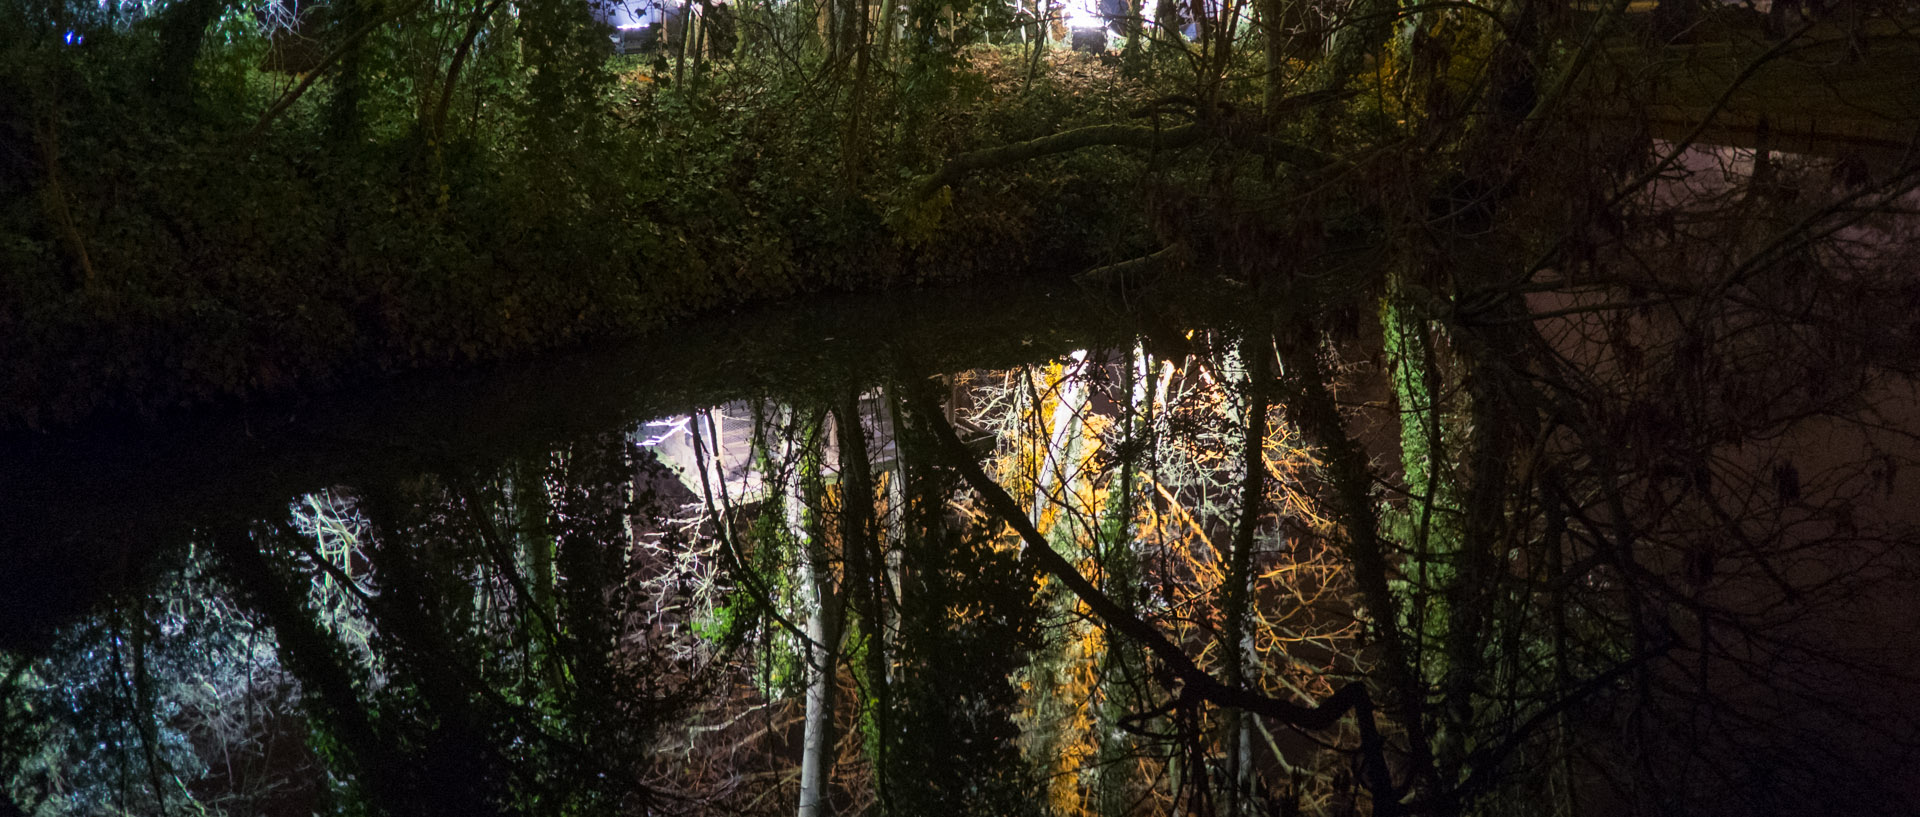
(1081, 14)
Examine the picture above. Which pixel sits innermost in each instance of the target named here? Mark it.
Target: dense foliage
(1554, 452)
(216, 198)
(186, 217)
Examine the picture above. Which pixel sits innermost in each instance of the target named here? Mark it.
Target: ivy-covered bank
(181, 222)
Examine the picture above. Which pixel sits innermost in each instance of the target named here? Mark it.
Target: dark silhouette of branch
(1485, 762)
(1210, 123)
(347, 44)
(1133, 272)
(1134, 136)
(1196, 684)
(475, 27)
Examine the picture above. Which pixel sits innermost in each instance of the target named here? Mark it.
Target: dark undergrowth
(165, 250)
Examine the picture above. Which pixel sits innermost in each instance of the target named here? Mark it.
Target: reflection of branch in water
(1194, 685)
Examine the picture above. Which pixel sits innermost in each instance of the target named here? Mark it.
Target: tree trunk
(1254, 354)
(183, 28)
(863, 555)
(343, 109)
(315, 658)
(1310, 403)
(823, 634)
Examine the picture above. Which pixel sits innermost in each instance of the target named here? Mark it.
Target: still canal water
(1026, 551)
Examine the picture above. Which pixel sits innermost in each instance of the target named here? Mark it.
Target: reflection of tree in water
(1136, 467)
(518, 663)
(461, 643)
(154, 701)
(1618, 533)
(1717, 414)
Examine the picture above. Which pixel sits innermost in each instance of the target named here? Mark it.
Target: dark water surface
(81, 510)
(491, 592)
(1224, 549)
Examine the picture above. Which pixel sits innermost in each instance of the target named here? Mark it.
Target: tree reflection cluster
(635, 623)
(1625, 534)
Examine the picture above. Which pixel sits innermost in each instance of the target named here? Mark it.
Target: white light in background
(1081, 14)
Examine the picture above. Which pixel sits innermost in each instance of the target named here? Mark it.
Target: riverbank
(182, 227)
(147, 271)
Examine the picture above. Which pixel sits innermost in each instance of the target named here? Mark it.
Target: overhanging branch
(347, 43)
(1134, 136)
(1253, 133)
(1134, 272)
